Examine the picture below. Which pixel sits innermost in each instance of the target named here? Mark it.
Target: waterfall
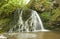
(32, 24)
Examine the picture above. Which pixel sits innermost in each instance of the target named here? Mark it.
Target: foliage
(45, 16)
(3, 23)
(56, 14)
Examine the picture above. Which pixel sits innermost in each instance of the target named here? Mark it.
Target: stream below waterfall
(35, 35)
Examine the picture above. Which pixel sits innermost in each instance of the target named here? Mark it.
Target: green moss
(56, 14)
(4, 21)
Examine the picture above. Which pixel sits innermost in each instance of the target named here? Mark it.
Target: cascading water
(32, 24)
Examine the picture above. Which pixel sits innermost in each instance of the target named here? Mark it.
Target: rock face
(40, 5)
(26, 14)
(58, 1)
(44, 5)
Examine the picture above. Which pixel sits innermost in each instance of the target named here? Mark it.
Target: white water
(32, 24)
(2, 37)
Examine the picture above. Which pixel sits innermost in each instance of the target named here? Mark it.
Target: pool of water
(35, 35)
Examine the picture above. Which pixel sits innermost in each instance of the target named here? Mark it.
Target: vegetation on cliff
(49, 10)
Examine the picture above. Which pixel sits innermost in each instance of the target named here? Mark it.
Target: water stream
(33, 35)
